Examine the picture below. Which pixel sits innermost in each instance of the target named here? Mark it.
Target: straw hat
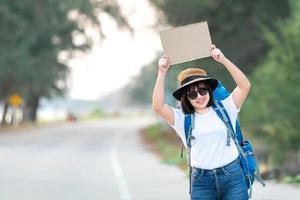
(193, 75)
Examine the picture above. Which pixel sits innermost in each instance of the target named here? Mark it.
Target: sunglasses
(194, 93)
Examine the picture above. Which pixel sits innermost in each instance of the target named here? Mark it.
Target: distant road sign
(15, 100)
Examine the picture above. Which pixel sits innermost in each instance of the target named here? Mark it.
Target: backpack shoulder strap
(223, 115)
(189, 120)
(221, 112)
(238, 132)
(187, 125)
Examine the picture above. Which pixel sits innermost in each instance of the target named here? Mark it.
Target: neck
(202, 110)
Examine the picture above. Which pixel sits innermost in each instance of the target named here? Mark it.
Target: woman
(216, 171)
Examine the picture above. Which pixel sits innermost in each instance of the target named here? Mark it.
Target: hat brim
(213, 83)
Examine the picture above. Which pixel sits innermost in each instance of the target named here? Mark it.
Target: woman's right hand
(163, 64)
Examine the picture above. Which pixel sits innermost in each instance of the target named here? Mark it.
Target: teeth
(201, 101)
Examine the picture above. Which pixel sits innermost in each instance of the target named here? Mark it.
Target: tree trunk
(30, 109)
(5, 109)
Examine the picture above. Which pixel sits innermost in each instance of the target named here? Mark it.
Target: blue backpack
(246, 155)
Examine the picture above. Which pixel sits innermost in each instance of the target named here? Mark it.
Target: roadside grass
(43, 123)
(96, 114)
(29, 125)
(165, 143)
(290, 179)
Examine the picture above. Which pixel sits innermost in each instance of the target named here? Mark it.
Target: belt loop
(224, 171)
(202, 172)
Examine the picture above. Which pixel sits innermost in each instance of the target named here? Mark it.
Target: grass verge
(165, 143)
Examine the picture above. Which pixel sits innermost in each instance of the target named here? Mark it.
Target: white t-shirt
(209, 148)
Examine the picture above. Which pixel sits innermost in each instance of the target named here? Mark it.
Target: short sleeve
(231, 108)
(179, 123)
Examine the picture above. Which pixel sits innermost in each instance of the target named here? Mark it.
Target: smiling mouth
(200, 101)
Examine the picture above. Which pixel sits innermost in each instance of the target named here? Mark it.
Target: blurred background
(76, 82)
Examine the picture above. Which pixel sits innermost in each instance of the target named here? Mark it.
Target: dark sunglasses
(194, 93)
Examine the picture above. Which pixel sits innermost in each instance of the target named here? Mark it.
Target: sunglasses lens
(193, 94)
(203, 91)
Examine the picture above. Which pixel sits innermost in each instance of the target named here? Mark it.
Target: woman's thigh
(203, 186)
(234, 186)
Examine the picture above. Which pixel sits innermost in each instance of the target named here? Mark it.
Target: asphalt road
(103, 160)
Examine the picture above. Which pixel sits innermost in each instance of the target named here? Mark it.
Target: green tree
(33, 35)
(13, 52)
(273, 106)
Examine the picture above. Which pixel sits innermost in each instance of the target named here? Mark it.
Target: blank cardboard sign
(186, 43)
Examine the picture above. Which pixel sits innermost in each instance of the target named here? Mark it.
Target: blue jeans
(224, 183)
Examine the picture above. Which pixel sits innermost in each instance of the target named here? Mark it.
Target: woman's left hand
(217, 54)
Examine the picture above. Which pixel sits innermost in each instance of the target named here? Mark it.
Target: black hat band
(191, 78)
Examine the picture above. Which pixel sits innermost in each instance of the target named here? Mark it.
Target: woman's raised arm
(158, 98)
(240, 93)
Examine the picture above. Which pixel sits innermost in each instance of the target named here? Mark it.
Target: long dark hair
(185, 102)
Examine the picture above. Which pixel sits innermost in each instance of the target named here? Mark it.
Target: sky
(111, 64)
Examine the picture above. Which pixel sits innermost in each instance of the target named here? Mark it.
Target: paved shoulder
(276, 191)
(147, 178)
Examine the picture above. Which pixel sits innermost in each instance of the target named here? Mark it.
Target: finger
(212, 47)
(215, 56)
(160, 62)
(214, 51)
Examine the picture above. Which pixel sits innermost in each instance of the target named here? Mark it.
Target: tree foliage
(273, 106)
(33, 33)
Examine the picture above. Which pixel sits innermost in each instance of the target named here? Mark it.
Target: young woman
(216, 171)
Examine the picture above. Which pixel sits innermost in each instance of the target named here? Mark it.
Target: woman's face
(198, 95)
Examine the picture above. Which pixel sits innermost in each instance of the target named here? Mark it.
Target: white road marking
(119, 175)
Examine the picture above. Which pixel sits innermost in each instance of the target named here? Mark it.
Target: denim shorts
(224, 183)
